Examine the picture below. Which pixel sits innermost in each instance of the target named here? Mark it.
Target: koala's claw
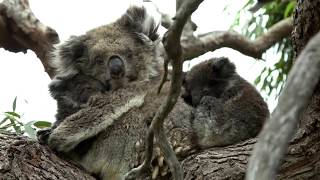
(43, 135)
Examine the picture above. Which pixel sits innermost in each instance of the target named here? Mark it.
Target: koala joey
(113, 58)
(227, 109)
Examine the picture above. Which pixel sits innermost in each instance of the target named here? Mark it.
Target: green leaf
(42, 124)
(15, 127)
(30, 130)
(6, 126)
(289, 9)
(4, 120)
(257, 80)
(14, 104)
(13, 114)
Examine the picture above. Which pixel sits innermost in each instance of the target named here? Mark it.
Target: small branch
(277, 132)
(20, 30)
(195, 47)
(172, 45)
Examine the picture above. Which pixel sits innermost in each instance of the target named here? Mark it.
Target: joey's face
(209, 78)
(193, 90)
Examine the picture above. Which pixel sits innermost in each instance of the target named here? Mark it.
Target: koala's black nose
(116, 66)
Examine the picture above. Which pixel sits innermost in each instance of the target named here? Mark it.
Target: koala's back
(246, 110)
(228, 109)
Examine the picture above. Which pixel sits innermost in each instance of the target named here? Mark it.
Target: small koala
(73, 93)
(227, 109)
(122, 60)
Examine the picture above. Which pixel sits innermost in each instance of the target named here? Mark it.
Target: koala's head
(208, 78)
(125, 49)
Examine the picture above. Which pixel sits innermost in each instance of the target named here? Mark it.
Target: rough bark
(306, 23)
(22, 158)
(20, 30)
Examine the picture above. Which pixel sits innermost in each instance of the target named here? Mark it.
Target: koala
(105, 58)
(121, 60)
(227, 109)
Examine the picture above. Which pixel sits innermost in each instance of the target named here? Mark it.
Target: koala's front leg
(77, 128)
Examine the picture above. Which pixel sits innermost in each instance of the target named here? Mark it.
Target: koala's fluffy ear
(139, 22)
(222, 68)
(67, 54)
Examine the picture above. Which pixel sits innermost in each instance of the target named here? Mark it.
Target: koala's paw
(43, 135)
(60, 142)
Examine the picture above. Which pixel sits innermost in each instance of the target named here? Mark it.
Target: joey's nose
(116, 66)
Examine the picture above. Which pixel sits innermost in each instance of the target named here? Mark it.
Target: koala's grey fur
(227, 109)
(103, 59)
(124, 57)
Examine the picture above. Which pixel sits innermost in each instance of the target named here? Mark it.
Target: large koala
(227, 109)
(105, 58)
(122, 60)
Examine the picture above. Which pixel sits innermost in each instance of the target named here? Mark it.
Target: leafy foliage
(272, 78)
(12, 122)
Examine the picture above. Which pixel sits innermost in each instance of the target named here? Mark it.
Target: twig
(277, 132)
(194, 47)
(171, 41)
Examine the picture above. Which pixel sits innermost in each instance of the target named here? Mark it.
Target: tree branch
(194, 47)
(23, 158)
(277, 132)
(20, 30)
(171, 41)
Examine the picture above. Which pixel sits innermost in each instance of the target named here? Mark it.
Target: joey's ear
(67, 54)
(222, 67)
(137, 20)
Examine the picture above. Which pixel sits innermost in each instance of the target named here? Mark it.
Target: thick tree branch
(278, 131)
(23, 158)
(20, 30)
(195, 47)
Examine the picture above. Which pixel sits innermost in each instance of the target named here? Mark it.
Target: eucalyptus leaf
(30, 130)
(14, 104)
(13, 114)
(4, 120)
(42, 124)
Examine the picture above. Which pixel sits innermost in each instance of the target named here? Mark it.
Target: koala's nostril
(116, 66)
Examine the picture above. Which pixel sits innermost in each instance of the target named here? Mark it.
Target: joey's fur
(227, 109)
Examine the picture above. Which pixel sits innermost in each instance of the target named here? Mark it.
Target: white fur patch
(62, 66)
